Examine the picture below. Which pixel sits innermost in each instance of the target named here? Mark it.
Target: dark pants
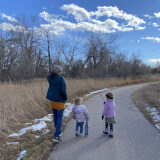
(79, 124)
(58, 117)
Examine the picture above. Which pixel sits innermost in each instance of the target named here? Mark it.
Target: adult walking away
(57, 96)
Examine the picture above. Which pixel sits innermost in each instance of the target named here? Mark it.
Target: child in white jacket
(80, 114)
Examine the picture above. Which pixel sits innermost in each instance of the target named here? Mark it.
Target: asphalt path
(135, 138)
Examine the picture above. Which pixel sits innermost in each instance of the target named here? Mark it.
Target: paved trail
(135, 138)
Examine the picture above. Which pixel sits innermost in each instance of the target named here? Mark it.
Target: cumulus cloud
(155, 25)
(154, 60)
(157, 15)
(58, 26)
(119, 14)
(9, 18)
(92, 21)
(47, 17)
(79, 13)
(156, 39)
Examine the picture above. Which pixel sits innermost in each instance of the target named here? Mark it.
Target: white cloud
(156, 39)
(79, 13)
(116, 13)
(154, 60)
(9, 27)
(148, 16)
(47, 17)
(155, 25)
(108, 26)
(91, 21)
(12, 19)
(157, 15)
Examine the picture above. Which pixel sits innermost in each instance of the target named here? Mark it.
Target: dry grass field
(26, 101)
(148, 96)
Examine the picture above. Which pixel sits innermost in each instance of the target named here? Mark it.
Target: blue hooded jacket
(57, 89)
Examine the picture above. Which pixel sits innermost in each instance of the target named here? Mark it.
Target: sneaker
(76, 134)
(86, 134)
(105, 132)
(80, 134)
(56, 139)
(110, 135)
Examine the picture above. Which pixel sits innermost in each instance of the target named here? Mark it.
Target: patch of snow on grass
(22, 154)
(46, 131)
(155, 115)
(68, 109)
(157, 126)
(153, 110)
(93, 92)
(156, 118)
(46, 118)
(28, 123)
(37, 137)
(34, 127)
(12, 143)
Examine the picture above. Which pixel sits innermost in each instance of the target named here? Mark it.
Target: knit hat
(57, 69)
(109, 95)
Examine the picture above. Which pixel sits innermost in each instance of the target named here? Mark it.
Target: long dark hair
(52, 75)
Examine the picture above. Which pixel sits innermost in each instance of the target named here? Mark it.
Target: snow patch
(157, 126)
(22, 154)
(37, 137)
(155, 115)
(12, 143)
(34, 127)
(46, 131)
(28, 123)
(94, 92)
(68, 109)
(46, 118)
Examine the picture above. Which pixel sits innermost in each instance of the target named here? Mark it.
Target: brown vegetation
(148, 96)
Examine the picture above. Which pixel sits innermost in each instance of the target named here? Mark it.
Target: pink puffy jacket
(109, 108)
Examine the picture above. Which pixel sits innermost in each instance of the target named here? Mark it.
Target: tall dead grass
(148, 96)
(20, 103)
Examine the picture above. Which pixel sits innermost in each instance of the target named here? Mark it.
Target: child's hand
(102, 117)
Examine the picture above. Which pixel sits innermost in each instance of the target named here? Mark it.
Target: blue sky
(136, 22)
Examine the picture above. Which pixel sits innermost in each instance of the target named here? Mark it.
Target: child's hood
(79, 108)
(109, 101)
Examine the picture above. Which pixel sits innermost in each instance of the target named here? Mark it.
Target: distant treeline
(28, 53)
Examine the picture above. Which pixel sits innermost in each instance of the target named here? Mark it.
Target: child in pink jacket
(109, 114)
